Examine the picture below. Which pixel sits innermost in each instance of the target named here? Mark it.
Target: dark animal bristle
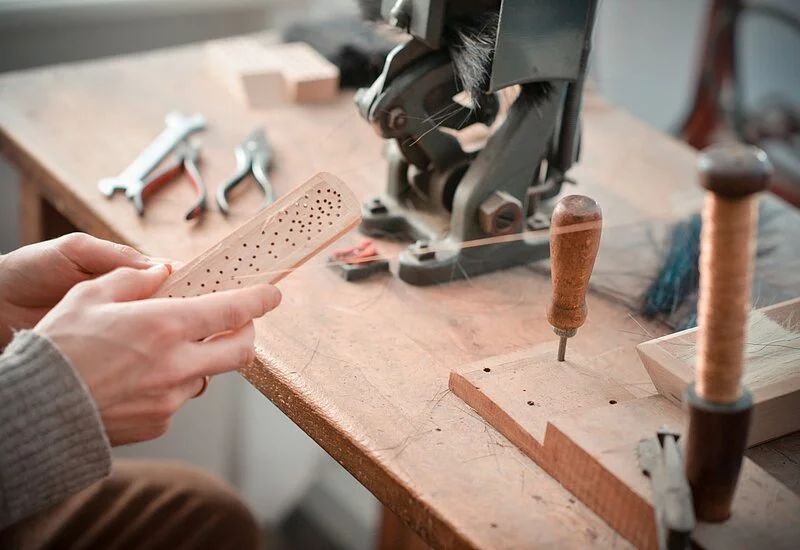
(470, 41)
(370, 9)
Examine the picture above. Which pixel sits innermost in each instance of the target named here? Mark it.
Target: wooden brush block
(263, 76)
(244, 68)
(273, 242)
(583, 428)
(310, 78)
(594, 456)
(771, 372)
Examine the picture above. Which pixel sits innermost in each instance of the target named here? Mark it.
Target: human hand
(35, 278)
(142, 359)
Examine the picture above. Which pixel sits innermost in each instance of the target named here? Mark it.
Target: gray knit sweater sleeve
(52, 441)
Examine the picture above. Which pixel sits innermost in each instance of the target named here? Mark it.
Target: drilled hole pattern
(273, 242)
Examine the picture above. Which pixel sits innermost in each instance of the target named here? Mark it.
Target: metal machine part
(442, 196)
(253, 155)
(131, 180)
(661, 460)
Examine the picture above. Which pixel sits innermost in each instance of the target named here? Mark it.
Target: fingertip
(163, 270)
(271, 296)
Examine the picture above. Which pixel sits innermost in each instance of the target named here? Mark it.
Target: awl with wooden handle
(575, 230)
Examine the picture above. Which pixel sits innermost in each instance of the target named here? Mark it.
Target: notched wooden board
(585, 434)
(772, 368)
(272, 243)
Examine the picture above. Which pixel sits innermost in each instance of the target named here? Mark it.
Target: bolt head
(397, 119)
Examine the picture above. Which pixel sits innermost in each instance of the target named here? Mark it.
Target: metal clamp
(660, 459)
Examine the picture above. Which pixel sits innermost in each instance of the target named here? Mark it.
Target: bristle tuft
(471, 44)
(370, 9)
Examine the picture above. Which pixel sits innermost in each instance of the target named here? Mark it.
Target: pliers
(185, 160)
(254, 155)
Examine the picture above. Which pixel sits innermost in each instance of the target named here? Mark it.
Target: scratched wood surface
(771, 368)
(580, 423)
(363, 368)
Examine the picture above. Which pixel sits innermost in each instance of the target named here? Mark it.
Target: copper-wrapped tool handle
(575, 230)
(719, 406)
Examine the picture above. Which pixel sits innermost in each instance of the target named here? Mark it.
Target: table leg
(31, 228)
(394, 535)
(39, 220)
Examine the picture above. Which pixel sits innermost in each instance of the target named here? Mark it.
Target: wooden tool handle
(574, 240)
(732, 175)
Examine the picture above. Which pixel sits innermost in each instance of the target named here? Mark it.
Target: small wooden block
(310, 78)
(772, 368)
(264, 76)
(244, 68)
(273, 242)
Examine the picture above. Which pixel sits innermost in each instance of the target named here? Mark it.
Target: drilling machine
(475, 211)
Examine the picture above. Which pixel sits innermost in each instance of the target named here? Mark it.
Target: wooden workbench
(363, 368)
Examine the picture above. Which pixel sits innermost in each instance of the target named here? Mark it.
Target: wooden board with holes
(583, 427)
(272, 243)
(772, 368)
(363, 368)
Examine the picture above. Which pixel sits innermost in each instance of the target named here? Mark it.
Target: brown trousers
(146, 506)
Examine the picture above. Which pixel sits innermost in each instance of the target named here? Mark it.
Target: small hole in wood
(438, 429)
(257, 246)
(257, 269)
(254, 256)
(612, 402)
(487, 369)
(227, 258)
(236, 269)
(188, 283)
(244, 245)
(170, 295)
(213, 290)
(251, 265)
(287, 240)
(240, 259)
(531, 403)
(238, 282)
(202, 285)
(217, 282)
(494, 525)
(208, 271)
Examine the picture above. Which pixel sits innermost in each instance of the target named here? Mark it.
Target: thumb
(96, 256)
(127, 284)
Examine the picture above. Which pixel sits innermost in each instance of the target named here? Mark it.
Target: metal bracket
(661, 460)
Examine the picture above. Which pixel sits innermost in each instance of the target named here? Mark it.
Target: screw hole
(531, 403)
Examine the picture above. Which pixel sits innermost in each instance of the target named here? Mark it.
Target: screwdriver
(575, 229)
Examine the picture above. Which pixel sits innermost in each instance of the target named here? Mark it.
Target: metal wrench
(131, 180)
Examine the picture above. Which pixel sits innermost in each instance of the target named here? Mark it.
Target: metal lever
(661, 460)
(131, 180)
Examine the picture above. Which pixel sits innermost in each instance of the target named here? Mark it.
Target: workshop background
(644, 60)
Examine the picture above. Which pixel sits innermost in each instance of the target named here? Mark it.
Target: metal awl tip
(562, 348)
